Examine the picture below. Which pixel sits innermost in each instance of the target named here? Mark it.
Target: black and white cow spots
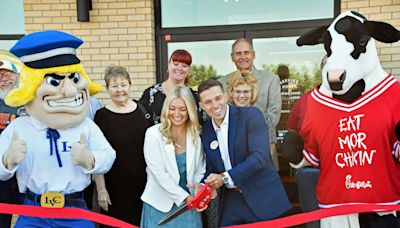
(352, 66)
(355, 33)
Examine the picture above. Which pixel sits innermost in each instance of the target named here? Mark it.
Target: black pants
(9, 193)
(373, 220)
(88, 195)
(307, 179)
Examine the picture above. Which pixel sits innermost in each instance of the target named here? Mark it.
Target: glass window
(298, 69)
(209, 58)
(302, 61)
(11, 22)
(193, 13)
(12, 17)
(7, 44)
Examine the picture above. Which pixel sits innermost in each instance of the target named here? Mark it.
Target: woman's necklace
(178, 142)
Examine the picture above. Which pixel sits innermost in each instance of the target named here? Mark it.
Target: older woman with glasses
(242, 89)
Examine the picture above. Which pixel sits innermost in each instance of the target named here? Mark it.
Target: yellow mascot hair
(31, 78)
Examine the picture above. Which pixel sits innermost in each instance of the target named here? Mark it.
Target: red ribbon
(321, 213)
(66, 212)
(293, 220)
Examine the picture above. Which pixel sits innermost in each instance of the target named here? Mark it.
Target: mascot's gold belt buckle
(52, 200)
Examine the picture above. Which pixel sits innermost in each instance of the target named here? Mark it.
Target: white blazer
(162, 188)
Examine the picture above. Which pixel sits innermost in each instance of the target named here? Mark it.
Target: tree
(200, 73)
(306, 79)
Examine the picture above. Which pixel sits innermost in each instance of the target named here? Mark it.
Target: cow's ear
(382, 31)
(312, 37)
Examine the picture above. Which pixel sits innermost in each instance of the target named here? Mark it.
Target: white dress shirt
(222, 137)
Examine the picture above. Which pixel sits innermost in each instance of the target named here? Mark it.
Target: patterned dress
(153, 99)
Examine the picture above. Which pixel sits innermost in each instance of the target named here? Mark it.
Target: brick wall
(383, 10)
(120, 32)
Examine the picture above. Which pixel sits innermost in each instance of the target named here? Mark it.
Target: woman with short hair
(178, 75)
(124, 125)
(242, 89)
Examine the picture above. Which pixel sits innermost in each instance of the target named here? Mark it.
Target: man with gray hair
(8, 80)
(270, 100)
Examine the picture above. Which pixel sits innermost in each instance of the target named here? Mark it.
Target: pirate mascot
(54, 148)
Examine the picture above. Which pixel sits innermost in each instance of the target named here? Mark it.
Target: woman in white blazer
(174, 158)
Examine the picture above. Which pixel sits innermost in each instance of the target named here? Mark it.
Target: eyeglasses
(7, 75)
(239, 92)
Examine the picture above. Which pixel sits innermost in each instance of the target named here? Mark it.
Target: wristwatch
(225, 179)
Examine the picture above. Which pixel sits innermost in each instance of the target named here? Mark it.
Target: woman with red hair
(178, 75)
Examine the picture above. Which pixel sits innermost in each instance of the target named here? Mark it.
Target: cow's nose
(336, 79)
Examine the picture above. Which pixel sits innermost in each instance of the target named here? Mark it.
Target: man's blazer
(162, 188)
(252, 168)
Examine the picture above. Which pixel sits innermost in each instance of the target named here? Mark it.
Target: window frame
(11, 36)
(225, 32)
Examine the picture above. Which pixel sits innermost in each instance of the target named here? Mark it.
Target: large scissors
(194, 203)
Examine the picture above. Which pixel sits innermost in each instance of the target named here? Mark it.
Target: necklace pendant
(177, 145)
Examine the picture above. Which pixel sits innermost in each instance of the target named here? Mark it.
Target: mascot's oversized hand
(15, 153)
(292, 147)
(80, 154)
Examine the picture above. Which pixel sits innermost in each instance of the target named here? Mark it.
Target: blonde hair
(31, 78)
(184, 93)
(243, 78)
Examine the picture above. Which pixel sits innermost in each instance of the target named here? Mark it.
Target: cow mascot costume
(53, 148)
(351, 127)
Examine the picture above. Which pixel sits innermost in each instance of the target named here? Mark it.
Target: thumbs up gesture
(15, 152)
(80, 154)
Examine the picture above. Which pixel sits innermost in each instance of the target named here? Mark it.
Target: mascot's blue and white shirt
(40, 172)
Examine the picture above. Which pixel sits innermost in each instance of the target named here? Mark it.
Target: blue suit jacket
(252, 168)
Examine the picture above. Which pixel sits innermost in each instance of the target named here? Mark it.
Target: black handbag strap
(146, 114)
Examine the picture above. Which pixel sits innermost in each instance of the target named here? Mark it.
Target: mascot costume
(351, 126)
(53, 148)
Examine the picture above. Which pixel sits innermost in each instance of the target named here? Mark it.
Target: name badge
(52, 200)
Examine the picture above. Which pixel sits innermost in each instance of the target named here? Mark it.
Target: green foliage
(307, 80)
(200, 73)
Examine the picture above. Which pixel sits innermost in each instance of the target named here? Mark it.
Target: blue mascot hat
(47, 49)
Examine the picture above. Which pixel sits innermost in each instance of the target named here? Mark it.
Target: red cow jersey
(352, 145)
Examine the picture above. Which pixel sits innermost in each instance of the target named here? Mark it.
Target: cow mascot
(351, 126)
(53, 148)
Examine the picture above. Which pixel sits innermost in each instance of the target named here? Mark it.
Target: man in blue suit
(238, 160)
